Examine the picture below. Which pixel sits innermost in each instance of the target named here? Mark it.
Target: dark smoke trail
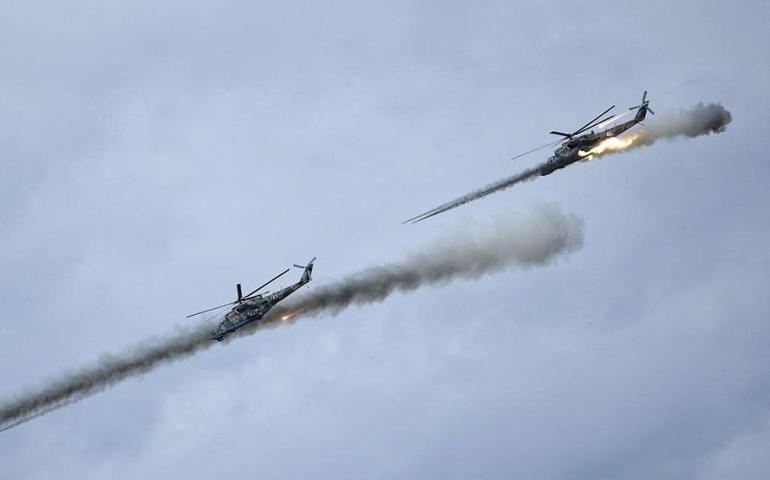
(697, 121)
(109, 371)
(469, 254)
(529, 241)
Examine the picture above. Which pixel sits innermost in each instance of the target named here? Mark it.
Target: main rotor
(591, 124)
(241, 298)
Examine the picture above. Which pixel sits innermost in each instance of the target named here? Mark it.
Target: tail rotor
(645, 104)
(307, 270)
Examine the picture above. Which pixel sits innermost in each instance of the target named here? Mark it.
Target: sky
(155, 154)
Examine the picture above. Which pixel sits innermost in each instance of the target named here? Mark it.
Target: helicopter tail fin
(307, 271)
(642, 108)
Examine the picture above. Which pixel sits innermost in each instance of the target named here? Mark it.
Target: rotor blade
(594, 119)
(308, 263)
(613, 118)
(266, 284)
(212, 309)
(641, 105)
(554, 132)
(538, 148)
(598, 122)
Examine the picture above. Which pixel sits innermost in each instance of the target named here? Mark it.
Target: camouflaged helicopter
(574, 146)
(577, 147)
(253, 306)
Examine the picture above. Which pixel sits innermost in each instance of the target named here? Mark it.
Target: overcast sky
(156, 153)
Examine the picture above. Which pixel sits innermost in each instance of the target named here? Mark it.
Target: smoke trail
(477, 194)
(110, 370)
(526, 241)
(469, 254)
(697, 121)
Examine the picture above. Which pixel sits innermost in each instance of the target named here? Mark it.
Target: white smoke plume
(525, 241)
(694, 122)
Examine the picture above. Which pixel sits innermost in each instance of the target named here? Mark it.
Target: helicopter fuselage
(247, 312)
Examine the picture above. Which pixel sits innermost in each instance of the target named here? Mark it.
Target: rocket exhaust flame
(529, 241)
(612, 144)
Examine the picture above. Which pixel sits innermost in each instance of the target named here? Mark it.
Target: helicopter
(253, 306)
(575, 145)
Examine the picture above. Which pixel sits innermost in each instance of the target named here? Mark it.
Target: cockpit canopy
(564, 148)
